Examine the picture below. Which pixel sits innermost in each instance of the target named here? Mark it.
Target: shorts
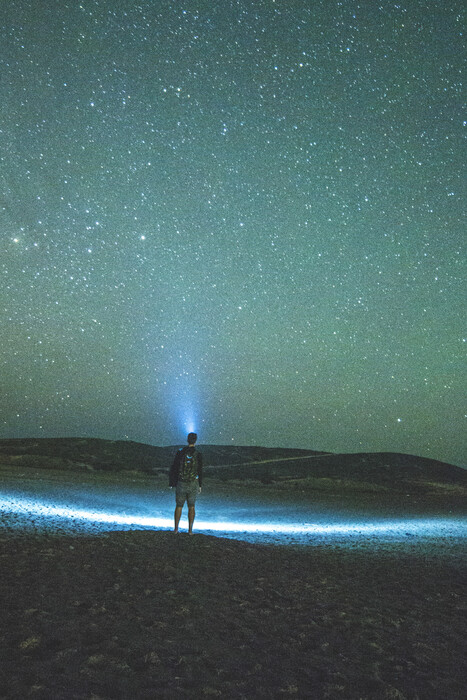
(187, 491)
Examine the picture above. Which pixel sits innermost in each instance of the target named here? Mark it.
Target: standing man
(186, 475)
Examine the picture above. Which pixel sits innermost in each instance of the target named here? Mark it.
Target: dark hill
(385, 469)
(262, 464)
(78, 454)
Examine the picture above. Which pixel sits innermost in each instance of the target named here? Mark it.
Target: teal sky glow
(241, 216)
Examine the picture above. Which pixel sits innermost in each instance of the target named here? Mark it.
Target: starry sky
(243, 217)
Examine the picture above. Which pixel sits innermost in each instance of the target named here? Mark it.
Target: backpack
(189, 466)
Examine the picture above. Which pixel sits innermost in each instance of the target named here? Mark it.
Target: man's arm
(174, 469)
(200, 469)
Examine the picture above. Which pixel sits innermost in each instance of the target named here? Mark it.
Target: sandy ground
(90, 612)
(97, 502)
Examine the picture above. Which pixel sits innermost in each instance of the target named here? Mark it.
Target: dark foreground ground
(87, 612)
(154, 615)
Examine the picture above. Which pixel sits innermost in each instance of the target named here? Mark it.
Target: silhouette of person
(186, 476)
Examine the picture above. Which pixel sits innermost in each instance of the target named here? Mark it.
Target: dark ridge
(382, 468)
(77, 454)
(267, 465)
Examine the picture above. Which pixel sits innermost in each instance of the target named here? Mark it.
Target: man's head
(191, 439)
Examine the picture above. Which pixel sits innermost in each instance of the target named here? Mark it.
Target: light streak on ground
(52, 516)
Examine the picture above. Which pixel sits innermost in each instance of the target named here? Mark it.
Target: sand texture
(157, 615)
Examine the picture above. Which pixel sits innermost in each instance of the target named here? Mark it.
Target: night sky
(242, 217)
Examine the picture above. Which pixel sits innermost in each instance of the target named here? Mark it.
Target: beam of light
(426, 527)
(190, 425)
(187, 421)
(184, 405)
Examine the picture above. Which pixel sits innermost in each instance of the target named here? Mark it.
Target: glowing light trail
(426, 527)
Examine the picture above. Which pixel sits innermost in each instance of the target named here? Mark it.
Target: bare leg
(177, 516)
(191, 518)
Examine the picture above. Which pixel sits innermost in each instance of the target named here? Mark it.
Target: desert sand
(108, 614)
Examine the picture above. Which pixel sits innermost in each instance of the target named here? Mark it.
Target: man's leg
(177, 516)
(191, 518)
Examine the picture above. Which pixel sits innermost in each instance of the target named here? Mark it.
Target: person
(186, 476)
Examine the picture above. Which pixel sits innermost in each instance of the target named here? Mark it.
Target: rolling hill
(364, 471)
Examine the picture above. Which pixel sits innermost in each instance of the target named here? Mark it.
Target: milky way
(241, 217)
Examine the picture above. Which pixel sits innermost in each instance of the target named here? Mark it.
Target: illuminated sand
(293, 596)
(69, 517)
(75, 503)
